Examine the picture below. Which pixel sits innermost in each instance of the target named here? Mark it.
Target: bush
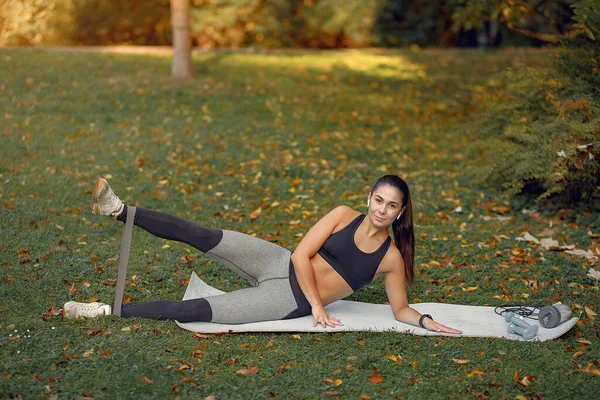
(108, 22)
(543, 142)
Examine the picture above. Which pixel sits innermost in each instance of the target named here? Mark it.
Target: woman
(342, 252)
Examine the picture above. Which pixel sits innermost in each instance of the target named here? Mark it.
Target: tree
(182, 45)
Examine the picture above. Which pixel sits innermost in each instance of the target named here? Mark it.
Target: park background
(489, 109)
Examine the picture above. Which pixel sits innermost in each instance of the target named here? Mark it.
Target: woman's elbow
(297, 256)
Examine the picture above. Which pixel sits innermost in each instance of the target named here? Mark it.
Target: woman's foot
(73, 309)
(105, 201)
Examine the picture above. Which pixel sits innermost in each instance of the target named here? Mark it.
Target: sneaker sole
(99, 185)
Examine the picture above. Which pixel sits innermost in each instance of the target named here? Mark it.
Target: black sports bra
(354, 265)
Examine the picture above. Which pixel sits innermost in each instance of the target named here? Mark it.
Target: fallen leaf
(582, 253)
(584, 341)
(527, 237)
(578, 353)
(527, 380)
(376, 377)
(590, 313)
(105, 353)
(397, 360)
(247, 371)
(337, 382)
(475, 372)
(456, 360)
(146, 380)
(592, 273)
(254, 214)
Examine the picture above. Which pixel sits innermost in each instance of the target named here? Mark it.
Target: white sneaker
(73, 309)
(105, 201)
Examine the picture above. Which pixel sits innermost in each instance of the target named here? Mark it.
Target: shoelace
(110, 201)
(90, 310)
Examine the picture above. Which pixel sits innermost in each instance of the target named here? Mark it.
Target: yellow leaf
(474, 372)
(296, 337)
(595, 371)
(470, 289)
(456, 360)
(520, 397)
(584, 341)
(577, 354)
(254, 214)
(337, 382)
(394, 359)
(590, 312)
(527, 380)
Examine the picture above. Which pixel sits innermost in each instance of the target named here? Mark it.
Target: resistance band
(123, 258)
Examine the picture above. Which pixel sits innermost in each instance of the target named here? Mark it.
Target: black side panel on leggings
(304, 307)
(170, 227)
(194, 310)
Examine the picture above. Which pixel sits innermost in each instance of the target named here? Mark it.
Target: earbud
(368, 202)
(399, 215)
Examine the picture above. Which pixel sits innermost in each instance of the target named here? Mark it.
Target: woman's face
(385, 204)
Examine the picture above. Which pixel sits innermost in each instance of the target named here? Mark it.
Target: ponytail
(404, 235)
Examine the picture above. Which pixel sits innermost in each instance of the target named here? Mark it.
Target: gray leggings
(265, 265)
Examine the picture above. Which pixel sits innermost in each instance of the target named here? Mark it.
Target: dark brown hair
(404, 235)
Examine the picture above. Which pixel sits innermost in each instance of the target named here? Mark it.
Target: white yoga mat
(473, 321)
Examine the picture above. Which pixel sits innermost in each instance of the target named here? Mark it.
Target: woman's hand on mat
(437, 327)
(322, 317)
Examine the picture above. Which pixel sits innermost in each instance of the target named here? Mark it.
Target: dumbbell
(518, 325)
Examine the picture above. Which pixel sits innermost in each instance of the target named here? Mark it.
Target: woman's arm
(308, 247)
(395, 288)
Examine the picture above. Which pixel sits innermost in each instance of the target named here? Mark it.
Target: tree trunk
(182, 45)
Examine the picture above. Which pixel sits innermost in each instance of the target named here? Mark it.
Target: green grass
(250, 131)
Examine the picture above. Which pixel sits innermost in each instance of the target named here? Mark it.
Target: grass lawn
(292, 135)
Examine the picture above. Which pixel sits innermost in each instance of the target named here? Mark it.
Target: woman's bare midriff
(330, 285)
